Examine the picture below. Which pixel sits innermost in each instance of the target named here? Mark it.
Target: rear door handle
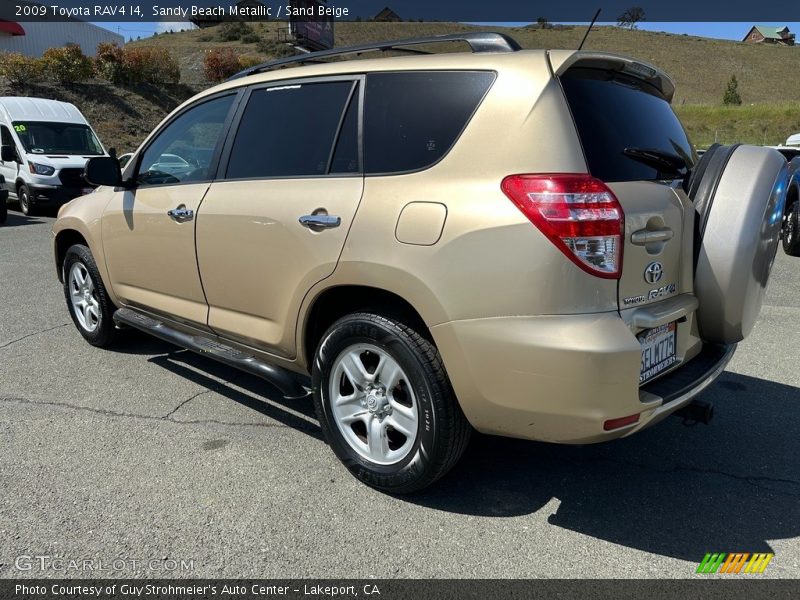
(648, 236)
(181, 213)
(320, 221)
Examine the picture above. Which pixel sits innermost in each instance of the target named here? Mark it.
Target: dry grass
(701, 67)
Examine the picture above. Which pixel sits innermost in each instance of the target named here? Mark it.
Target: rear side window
(345, 155)
(613, 112)
(290, 131)
(412, 119)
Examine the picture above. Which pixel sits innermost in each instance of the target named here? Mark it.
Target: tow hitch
(696, 412)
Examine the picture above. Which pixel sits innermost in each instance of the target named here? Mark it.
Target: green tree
(19, 69)
(732, 92)
(67, 64)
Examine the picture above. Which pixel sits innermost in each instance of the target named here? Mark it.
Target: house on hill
(767, 34)
(388, 15)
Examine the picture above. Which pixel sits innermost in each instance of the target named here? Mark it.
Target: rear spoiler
(562, 60)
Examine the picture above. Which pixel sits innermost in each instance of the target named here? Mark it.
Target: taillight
(576, 212)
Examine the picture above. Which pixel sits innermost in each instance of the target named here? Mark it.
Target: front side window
(40, 137)
(183, 151)
(289, 131)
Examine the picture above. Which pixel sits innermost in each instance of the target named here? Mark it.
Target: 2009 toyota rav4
(516, 241)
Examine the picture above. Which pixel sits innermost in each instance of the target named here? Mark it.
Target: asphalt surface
(148, 452)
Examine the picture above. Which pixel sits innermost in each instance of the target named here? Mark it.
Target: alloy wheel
(373, 404)
(83, 296)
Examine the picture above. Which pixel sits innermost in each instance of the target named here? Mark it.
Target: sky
(727, 31)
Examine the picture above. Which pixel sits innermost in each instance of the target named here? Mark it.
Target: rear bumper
(560, 378)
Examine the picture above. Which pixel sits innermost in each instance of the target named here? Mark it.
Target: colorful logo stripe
(735, 562)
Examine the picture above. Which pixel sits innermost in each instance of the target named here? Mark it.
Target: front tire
(385, 404)
(791, 230)
(24, 198)
(87, 300)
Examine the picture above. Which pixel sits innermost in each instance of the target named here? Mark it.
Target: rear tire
(3, 211)
(385, 403)
(87, 300)
(791, 230)
(25, 204)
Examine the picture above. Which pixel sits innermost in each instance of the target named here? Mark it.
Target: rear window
(413, 119)
(613, 112)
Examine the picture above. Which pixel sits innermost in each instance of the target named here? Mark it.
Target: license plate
(658, 350)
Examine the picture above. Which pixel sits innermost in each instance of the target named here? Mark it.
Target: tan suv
(516, 241)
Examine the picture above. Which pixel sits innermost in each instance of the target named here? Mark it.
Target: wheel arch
(63, 241)
(335, 302)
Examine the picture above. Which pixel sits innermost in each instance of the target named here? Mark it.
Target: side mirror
(8, 154)
(103, 170)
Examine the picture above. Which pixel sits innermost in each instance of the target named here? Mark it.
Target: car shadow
(248, 390)
(15, 219)
(671, 490)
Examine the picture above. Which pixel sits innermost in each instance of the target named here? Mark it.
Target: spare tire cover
(738, 225)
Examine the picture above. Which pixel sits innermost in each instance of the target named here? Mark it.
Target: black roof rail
(483, 41)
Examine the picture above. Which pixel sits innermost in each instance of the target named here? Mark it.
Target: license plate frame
(658, 346)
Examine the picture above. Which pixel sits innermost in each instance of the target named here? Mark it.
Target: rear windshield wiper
(666, 162)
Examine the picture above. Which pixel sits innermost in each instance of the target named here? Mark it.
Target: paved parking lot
(147, 452)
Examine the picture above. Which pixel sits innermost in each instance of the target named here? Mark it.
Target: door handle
(648, 236)
(320, 221)
(181, 213)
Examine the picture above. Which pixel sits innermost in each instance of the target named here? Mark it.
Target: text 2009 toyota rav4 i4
(516, 241)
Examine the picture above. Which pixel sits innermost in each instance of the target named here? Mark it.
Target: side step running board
(282, 379)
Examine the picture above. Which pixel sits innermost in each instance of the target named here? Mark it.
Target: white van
(45, 146)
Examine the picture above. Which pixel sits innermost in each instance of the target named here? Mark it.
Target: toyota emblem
(654, 272)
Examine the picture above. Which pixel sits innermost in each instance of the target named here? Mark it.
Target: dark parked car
(790, 231)
(3, 199)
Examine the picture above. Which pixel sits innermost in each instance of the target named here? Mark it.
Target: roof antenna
(583, 41)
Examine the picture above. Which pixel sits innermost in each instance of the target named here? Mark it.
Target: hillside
(768, 124)
(122, 117)
(701, 68)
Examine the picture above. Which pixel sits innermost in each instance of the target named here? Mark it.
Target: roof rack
(484, 41)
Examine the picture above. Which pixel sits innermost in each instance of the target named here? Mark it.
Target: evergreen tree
(732, 92)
